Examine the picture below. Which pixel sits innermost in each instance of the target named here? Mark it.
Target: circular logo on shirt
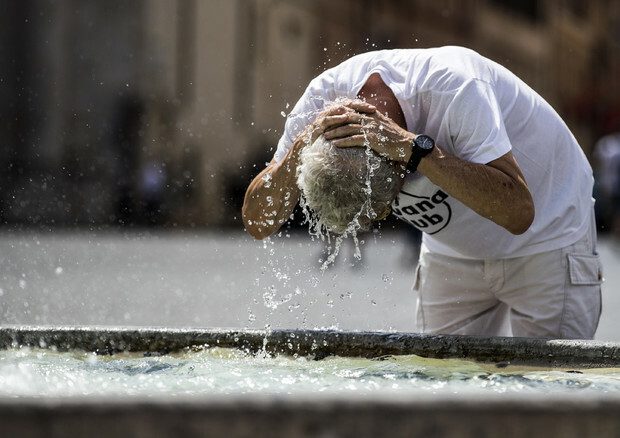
(429, 214)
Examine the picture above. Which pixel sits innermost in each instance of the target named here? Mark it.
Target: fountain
(434, 411)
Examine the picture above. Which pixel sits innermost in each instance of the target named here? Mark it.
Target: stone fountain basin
(363, 415)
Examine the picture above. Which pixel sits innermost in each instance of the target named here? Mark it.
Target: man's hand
(382, 134)
(338, 115)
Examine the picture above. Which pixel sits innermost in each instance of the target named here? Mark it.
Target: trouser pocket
(585, 269)
(583, 304)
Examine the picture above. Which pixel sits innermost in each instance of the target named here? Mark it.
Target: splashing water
(278, 275)
(26, 372)
(320, 230)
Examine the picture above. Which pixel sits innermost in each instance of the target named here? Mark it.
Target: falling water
(320, 230)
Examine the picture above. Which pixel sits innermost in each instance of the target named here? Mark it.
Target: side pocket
(585, 269)
(583, 299)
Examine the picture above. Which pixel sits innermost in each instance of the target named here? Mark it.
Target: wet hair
(333, 182)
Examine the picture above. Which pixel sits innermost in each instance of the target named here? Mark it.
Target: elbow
(257, 232)
(257, 229)
(253, 228)
(524, 219)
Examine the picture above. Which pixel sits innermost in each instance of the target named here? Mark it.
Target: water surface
(47, 373)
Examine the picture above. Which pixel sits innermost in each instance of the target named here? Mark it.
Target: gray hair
(346, 188)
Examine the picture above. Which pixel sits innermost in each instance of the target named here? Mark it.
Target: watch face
(424, 142)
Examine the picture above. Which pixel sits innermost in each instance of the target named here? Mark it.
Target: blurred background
(140, 116)
(160, 111)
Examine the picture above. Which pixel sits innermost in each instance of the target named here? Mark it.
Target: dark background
(159, 112)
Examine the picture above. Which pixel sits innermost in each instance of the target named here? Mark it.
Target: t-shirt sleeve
(304, 112)
(476, 124)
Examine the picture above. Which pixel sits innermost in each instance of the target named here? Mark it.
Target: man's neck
(377, 93)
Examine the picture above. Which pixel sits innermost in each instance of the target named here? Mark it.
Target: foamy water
(46, 373)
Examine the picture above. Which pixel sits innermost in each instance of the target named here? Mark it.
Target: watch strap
(414, 160)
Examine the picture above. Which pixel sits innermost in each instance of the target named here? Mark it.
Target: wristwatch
(421, 146)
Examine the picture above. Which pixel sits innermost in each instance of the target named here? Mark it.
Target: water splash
(26, 372)
(267, 179)
(322, 231)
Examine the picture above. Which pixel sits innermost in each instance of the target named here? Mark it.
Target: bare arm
(496, 190)
(273, 193)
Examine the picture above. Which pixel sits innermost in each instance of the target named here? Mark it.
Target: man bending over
(495, 180)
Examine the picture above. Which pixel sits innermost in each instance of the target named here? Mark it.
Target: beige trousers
(556, 294)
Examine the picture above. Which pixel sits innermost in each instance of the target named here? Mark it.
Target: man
(497, 183)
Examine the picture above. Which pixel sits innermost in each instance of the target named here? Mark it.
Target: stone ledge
(251, 416)
(320, 343)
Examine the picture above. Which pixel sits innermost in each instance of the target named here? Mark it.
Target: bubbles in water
(266, 180)
(314, 281)
(45, 373)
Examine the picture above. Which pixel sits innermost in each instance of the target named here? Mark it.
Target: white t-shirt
(477, 110)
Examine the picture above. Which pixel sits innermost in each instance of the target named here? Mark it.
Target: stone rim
(319, 344)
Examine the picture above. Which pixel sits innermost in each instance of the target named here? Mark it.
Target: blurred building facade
(161, 111)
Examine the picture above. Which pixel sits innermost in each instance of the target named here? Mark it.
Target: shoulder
(453, 67)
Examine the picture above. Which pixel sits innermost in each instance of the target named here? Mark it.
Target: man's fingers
(353, 112)
(336, 110)
(331, 122)
(362, 107)
(343, 131)
(350, 142)
(352, 105)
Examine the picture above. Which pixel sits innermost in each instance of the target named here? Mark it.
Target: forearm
(496, 190)
(272, 195)
(496, 193)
